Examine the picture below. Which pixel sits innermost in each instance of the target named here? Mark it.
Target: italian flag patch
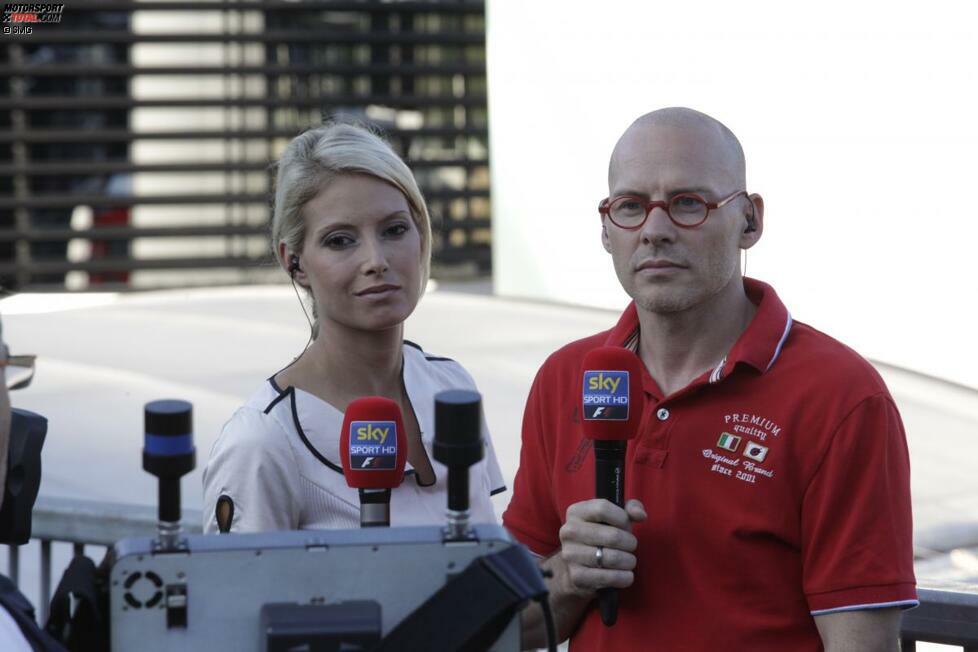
(728, 442)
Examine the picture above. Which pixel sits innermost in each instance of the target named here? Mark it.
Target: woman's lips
(378, 290)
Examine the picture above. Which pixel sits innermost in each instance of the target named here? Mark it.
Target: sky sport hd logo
(373, 445)
(606, 395)
(21, 17)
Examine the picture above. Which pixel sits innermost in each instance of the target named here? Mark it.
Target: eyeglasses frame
(604, 208)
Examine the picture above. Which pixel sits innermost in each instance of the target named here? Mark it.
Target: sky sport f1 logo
(373, 445)
(20, 17)
(606, 395)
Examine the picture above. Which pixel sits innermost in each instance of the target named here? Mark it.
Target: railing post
(45, 581)
(908, 645)
(79, 549)
(13, 564)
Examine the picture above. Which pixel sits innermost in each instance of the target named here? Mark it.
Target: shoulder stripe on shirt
(305, 440)
(281, 394)
(903, 604)
(429, 358)
(784, 338)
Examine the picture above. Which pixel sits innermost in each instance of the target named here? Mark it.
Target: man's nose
(658, 227)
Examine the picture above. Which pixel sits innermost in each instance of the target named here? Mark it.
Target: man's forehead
(676, 153)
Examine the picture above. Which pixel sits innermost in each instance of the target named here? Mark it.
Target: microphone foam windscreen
(612, 399)
(373, 444)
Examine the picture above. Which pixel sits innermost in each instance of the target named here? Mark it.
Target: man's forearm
(567, 607)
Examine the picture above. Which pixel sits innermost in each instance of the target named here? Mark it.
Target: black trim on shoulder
(497, 490)
(281, 394)
(305, 440)
(274, 385)
(429, 358)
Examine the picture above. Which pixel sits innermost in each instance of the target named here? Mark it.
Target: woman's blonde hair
(316, 157)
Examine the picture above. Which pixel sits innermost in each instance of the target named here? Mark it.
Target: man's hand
(574, 575)
(594, 524)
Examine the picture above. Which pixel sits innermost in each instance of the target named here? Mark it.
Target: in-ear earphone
(294, 265)
(751, 227)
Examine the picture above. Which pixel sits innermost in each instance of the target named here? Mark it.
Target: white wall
(859, 124)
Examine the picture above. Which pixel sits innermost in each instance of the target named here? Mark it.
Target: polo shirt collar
(758, 346)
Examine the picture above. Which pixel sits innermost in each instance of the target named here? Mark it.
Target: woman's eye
(397, 229)
(337, 241)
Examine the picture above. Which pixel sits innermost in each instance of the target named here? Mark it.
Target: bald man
(768, 487)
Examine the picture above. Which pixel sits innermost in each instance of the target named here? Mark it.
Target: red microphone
(373, 448)
(612, 403)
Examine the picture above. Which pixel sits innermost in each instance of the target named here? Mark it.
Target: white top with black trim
(277, 459)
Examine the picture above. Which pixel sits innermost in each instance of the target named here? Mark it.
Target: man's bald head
(700, 129)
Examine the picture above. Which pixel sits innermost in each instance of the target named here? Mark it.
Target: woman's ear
(289, 261)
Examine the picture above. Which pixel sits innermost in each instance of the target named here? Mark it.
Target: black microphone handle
(375, 507)
(609, 470)
(609, 483)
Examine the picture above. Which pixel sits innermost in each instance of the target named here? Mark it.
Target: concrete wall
(859, 125)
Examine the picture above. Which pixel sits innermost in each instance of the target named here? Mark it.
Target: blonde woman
(352, 230)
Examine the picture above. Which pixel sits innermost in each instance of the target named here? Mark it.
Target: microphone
(169, 454)
(612, 405)
(458, 445)
(373, 449)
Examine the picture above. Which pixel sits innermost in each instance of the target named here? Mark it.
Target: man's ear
(754, 222)
(604, 236)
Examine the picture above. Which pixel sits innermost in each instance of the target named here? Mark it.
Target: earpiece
(751, 227)
(294, 265)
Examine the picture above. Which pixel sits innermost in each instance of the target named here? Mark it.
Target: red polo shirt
(777, 488)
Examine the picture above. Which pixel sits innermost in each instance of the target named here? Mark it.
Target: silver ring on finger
(599, 557)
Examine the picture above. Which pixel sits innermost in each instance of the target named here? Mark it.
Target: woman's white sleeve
(496, 482)
(253, 465)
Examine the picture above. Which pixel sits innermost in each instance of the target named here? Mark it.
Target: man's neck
(678, 347)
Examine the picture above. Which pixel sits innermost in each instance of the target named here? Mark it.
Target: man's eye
(687, 204)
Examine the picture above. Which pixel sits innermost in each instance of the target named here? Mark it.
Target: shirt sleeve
(532, 516)
(252, 464)
(496, 482)
(857, 540)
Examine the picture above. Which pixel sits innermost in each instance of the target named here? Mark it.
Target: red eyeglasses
(686, 210)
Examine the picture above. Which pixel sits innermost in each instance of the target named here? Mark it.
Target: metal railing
(85, 523)
(948, 611)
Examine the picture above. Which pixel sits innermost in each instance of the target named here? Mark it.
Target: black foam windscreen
(23, 478)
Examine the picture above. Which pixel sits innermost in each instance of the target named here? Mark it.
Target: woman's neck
(342, 364)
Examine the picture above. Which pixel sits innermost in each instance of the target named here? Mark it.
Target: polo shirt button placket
(662, 414)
